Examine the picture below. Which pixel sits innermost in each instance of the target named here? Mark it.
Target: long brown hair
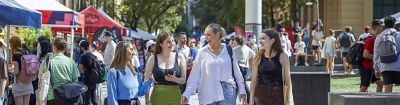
(120, 57)
(276, 46)
(15, 44)
(161, 37)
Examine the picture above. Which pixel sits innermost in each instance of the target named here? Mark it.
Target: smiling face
(167, 44)
(130, 51)
(211, 37)
(265, 41)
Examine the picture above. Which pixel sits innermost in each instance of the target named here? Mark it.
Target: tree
(224, 12)
(30, 35)
(159, 9)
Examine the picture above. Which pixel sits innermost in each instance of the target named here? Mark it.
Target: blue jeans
(306, 40)
(229, 94)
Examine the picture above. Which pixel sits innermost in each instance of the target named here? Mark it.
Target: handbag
(70, 90)
(44, 84)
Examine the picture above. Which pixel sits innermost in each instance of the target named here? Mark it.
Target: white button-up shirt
(109, 52)
(185, 50)
(208, 72)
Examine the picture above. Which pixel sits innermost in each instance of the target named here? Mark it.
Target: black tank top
(160, 73)
(270, 70)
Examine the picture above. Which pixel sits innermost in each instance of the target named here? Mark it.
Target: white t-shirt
(135, 61)
(286, 45)
(329, 42)
(99, 56)
(185, 50)
(109, 52)
(317, 37)
(361, 37)
(2, 53)
(243, 55)
(299, 46)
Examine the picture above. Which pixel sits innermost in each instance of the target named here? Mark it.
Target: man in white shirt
(182, 47)
(110, 49)
(285, 42)
(364, 35)
(299, 47)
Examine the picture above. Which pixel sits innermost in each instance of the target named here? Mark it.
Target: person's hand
(184, 100)
(152, 79)
(171, 78)
(243, 99)
(378, 74)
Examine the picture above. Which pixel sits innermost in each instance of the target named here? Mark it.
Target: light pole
(317, 13)
(309, 4)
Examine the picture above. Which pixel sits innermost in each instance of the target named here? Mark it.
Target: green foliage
(30, 35)
(224, 12)
(146, 14)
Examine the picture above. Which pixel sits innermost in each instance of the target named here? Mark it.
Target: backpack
(29, 68)
(355, 54)
(345, 41)
(387, 48)
(98, 71)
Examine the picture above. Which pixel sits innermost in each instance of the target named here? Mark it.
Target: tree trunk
(271, 11)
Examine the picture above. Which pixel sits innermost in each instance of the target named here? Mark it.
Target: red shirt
(369, 46)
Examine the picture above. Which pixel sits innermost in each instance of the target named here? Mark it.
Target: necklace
(216, 52)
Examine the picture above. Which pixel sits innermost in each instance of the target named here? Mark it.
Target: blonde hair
(120, 57)
(217, 29)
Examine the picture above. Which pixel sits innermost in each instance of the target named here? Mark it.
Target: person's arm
(367, 50)
(16, 68)
(148, 74)
(194, 77)
(75, 72)
(338, 40)
(238, 76)
(376, 56)
(112, 87)
(182, 65)
(287, 85)
(254, 79)
(149, 68)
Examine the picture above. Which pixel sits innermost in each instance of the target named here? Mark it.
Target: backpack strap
(229, 48)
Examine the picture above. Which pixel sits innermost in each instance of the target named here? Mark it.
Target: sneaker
(295, 64)
(306, 64)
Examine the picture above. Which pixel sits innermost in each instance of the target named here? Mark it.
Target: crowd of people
(169, 69)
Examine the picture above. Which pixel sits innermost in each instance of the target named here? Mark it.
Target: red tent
(97, 23)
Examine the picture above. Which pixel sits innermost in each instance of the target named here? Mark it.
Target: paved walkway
(192, 101)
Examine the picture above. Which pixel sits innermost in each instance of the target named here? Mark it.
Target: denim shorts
(229, 91)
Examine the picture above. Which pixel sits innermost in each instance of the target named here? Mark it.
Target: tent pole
(83, 32)
(39, 34)
(72, 42)
(8, 44)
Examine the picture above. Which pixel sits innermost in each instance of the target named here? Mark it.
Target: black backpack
(345, 40)
(355, 54)
(98, 71)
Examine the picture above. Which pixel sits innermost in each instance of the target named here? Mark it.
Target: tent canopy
(13, 13)
(96, 20)
(53, 13)
(396, 16)
(140, 34)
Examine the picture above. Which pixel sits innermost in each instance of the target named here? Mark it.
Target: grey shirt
(381, 67)
(353, 40)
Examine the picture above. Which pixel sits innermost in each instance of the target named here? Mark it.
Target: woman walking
(271, 73)
(215, 74)
(168, 70)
